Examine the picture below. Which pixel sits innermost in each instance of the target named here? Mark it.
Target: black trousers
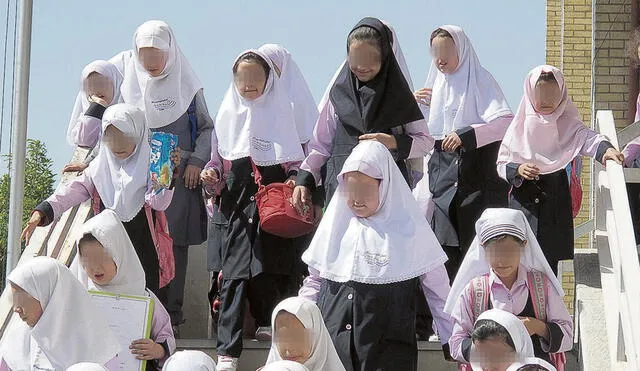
(263, 291)
(174, 291)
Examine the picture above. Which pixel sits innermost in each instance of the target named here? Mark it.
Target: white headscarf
(264, 128)
(492, 223)
(189, 360)
(393, 245)
(86, 366)
(285, 366)
(532, 361)
(516, 329)
(551, 141)
(109, 231)
(82, 103)
(164, 98)
(468, 96)
(323, 354)
(122, 184)
(68, 318)
(397, 51)
(304, 106)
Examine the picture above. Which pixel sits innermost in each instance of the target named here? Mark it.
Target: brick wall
(612, 29)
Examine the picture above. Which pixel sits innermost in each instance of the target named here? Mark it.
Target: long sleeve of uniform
(479, 135)
(89, 126)
(215, 163)
(161, 330)
(631, 151)
(435, 285)
(311, 286)
(559, 323)
(66, 196)
(160, 201)
(202, 148)
(462, 316)
(595, 145)
(4, 366)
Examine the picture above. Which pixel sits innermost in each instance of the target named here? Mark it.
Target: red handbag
(277, 214)
(575, 186)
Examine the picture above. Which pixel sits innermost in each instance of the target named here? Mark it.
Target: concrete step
(255, 354)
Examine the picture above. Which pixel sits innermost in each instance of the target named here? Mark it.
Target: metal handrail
(613, 221)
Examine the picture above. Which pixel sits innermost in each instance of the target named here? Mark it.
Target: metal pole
(19, 134)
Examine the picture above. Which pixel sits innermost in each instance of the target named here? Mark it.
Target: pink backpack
(537, 283)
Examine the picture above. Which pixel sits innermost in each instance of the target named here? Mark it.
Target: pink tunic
(320, 145)
(512, 301)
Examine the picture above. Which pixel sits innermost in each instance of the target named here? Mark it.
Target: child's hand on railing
(75, 167)
(613, 154)
(32, 224)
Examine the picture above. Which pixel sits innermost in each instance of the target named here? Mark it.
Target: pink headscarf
(551, 141)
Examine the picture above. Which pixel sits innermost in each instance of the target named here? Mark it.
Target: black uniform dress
(372, 326)
(546, 202)
(255, 265)
(463, 183)
(633, 193)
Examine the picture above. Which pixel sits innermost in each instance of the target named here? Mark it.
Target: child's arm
(631, 152)
(559, 324)
(160, 201)
(460, 342)
(415, 142)
(435, 285)
(161, 330)
(479, 135)
(311, 286)
(320, 147)
(216, 163)
(66, 196)
(89, 126)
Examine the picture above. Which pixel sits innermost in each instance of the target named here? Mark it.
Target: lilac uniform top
(435, 285)
(513, 301)
(80, 189)
(320, 146)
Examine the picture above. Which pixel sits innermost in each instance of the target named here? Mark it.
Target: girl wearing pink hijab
(545, 136)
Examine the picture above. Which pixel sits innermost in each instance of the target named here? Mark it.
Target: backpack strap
(537, 282)
(479, 295)
(193, 121)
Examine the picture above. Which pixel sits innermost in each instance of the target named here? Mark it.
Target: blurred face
(547, 97)
(250, 80)
(365, 60)
(97, 85)
(97, 262)
(363, 193)
(26, 306)
(493, 355)
(121, 145)
(292, 339)
(504, 256)
(153, 60)
(445, 54)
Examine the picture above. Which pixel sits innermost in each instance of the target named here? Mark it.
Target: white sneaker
(434, 338)
(226, 363)
(264, 333)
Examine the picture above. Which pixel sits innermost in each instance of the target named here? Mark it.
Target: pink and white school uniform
(129, 278)
(550, 142)
(463, 302)
(70, 330)
(122, 185)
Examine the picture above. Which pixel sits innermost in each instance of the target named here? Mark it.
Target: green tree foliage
(39, 181)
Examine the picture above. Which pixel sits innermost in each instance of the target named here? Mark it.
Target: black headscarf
(382, 103)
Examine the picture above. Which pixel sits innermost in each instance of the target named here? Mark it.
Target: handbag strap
(256, 173)
(152, 227)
